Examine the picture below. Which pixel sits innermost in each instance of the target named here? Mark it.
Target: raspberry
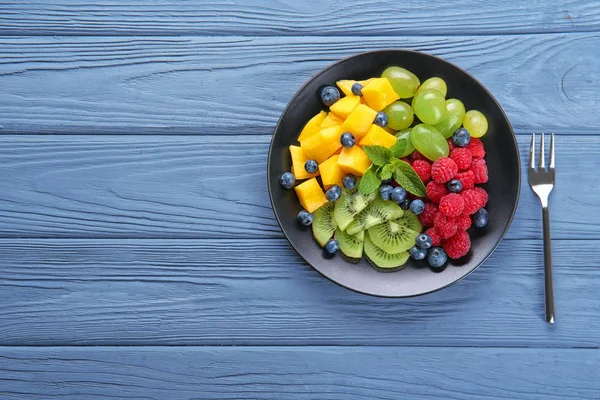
(436, 239)
(483, 196)
(423, 169)
(480, 171)
(458, 245)
(435, 191)
(451, 144)
(463, 221)
(467, 179)
(476, 148)
(415, 155)
(462, 157)
(443, 169)
(428, 215)
(473, 200)
(445, 226)
(452, 205)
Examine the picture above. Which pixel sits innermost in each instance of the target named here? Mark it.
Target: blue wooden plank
(240, 85)
(299, 373)
(211, 186)
(289, 17)
(259, 292)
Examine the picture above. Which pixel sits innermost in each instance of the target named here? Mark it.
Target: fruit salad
(391, 170)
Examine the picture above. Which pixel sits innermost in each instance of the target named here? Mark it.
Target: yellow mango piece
(298, 161)
(345, 86)
(331, 120)
(359, 121)
(322, 144)
(365, 82)
(310, 195)
(312, 125)
(344, 106)
(378, 136)
(354, 160)
(331, 173)
(379, 93)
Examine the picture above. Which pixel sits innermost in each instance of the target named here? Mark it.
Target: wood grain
(211, 187)
(259, 292)
(288, 17)
(240, 85)
(326, 373)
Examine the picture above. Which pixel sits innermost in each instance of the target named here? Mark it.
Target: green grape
(476, 123)
(405, 134)
(400, 115)
(404, 82)
(429, 142)
(430, 106)
(434, 83)
(453, 118)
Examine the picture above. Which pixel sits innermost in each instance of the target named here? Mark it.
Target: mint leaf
(386, 172)
(369, 182)
(379, 155)
(406, 177)
(399, 147)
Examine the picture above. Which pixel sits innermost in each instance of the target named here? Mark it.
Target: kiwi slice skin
(383, 261)
(393, 236)
(349, 205)
(377, 212)
(323, 225)
(350, 245)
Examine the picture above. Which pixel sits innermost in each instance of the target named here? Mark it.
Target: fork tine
(542, 163)
(552, 151)
(532, 152)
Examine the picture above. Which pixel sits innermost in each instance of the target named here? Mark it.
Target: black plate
(502, 159)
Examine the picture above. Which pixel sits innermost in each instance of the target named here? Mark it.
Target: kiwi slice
(411, 221)
(382, 260)
(349, 205)
(323, 225)
(379, 211)
(350, 245)
(393, 236)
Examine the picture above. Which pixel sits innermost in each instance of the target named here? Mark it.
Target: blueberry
(437, 257)
(329, 95)
(385, 191)
(347, 140)
(349, 181)
(311, 166)
(356, 89)
(333, 193)
(332, 246)
(461, 137)
(305, 218)
(417, 206)
(417, 253)
(398, 195)
(287, 180)
(424, 241)
(455, 186)
(480, 218)
(405, 205)
(381, 119)
(387, 181)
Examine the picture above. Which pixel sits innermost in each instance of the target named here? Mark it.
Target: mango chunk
(344, 106)
(331, 120)
(298, 161)
(331, 173)
(312, 125)
(310, 195)
(378, 136)
(359, 121)
(322, 144)
(345, 86)
(379, 93)
(354, 160)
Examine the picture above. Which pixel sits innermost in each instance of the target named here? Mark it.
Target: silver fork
(542, 182)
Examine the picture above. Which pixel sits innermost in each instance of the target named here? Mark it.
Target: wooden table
(140, 258)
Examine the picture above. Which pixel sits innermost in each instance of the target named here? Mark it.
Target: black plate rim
(514, 138)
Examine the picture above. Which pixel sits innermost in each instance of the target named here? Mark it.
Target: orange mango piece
(344, 106)
(345, 86)
(379, 93)
(331, 173)
(359, 121)
(310, 195)
(378, 136)
(298, 161)
(312, 125)
(322, 144)
(331, 120)
(354, 160)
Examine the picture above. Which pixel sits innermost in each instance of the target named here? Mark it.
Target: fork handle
(549, 285)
